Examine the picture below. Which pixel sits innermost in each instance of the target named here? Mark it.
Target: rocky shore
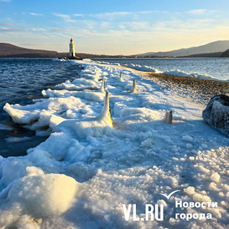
(198, 88)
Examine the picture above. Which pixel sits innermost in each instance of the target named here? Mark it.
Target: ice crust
(91, 164)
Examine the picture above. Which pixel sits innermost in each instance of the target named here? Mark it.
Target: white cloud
(113, 15)
(110, 15)
(78, 15)
(34, 14)
(6, 24)
(200, 11)
(5, 0)
(60, 30)
(136, 25)
(38, 29)
(11, 30)
(105, 24)
(65, 17)
(146, 12)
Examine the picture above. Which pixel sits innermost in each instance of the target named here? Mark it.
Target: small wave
(196, 75)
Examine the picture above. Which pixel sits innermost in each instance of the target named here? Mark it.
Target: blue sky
(113, 27)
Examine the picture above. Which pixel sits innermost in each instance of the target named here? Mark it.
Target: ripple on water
(21, 81)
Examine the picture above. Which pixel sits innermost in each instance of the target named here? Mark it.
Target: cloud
(5, 0)
(110, 15)
(65, 17)
(38, 29)
(114, 15)
(78, 15)
(199, 11)
(6, 24)
(105, 25)
(34, 14)
(60, 30)
(135, 25)
(146, 12)
(11, 30)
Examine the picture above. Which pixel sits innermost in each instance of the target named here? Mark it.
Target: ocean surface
(215, 67)
(22, 80)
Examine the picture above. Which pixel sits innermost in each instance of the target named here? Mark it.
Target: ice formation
(168, 117)
(102, 89)
(120, 76)
(105, 115)
(134, 89)
(91, 165)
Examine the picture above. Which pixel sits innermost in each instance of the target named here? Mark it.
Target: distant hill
(9, 50)
(225, 54)
(12, 51)
(212, 54)
(213, 47)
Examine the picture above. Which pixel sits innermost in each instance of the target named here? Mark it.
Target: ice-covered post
(168, 117)
(102, 89)
(106, 113)
(134, 86)
(120, 76)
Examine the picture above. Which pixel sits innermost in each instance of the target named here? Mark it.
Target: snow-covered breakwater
(89, 166)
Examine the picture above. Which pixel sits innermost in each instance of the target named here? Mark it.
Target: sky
(113, 27)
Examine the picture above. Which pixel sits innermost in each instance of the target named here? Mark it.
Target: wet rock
(217, 112)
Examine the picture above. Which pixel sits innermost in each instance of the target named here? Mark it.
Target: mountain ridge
(212, 47)
(12, 51)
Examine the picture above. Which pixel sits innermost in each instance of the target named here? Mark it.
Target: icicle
(134, 90)
(168, 117)
(106, 114)
(102, 89)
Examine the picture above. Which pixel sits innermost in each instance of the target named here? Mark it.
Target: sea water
(215, 67)
(21, 81)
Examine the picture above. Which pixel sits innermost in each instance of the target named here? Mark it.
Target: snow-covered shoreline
(99, 164)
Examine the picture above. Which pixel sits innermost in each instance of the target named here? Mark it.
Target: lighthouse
(72, 48)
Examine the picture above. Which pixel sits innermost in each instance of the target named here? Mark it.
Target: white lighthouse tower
(72, 48)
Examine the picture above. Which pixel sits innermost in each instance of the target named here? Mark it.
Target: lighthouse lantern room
(72, 48)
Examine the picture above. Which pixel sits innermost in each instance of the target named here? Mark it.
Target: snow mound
(44, 195)
(215, 177)
(78, 84)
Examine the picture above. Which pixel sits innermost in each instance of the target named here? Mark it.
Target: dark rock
(71, 58)
(217, 112)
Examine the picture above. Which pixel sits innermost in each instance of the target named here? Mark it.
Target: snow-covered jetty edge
(109, 149)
